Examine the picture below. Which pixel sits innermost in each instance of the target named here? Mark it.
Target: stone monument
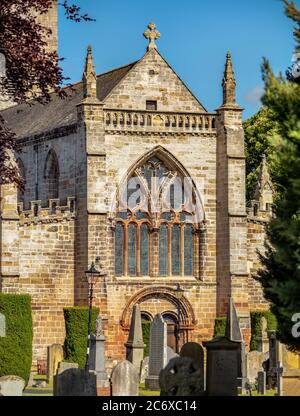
(55, 355)
(125, 380)
(158, 352)
(195, 352)
(135, 344)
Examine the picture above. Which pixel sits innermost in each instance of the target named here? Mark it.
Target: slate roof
(27, 120)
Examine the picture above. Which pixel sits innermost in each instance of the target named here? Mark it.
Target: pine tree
(280, 275)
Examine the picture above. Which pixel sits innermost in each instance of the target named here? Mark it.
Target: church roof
(28, 120)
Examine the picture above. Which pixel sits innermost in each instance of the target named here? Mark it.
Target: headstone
(144, 372)
(222, 367)
(263, 341)
(63, 366)
(254, 360)
(181, 378)
(273, 355)
(75, 382)
(125, 380)
(11, 386)
(279, 373)
(158, 351)
(261, 382)
(54, 357)
(135, 344)
(291, 383)
(234, 333)
(97, 359)
(195, 352)
(2, 325)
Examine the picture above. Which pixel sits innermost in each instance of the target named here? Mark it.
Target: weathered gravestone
(63, 366)
(195, 352)
(158, 352)
(261, 382)
(233, 333)
(144, 372)
(97, 359)
(125, 380)
(135, 344)
(11, 386)
(181, 378)
(2, 326)
(273, 358)
(54, 357)
(222, 367)
(75, 382)
(254, 360)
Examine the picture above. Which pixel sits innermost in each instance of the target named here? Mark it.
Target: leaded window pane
(163, 251)
(188, 250)
(119, 249)
(144, 250)
(176, 250)
(132, 249)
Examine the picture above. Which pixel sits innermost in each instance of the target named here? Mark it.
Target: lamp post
(179, 292)
(92, 276)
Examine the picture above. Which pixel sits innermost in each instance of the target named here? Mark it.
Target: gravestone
(125, 380)
(181, 378)
(63, 366)
(254, 360)
(195, 352)
(11, 386)
(261, 382)
(222, 368)
(279, 374)
(262, 340)
(2, 326)
(273, 358)
(54, 357)
(97, 362)
(144, 372)
(135, 344)
(158, 351)
(233, 333)
(75, 382)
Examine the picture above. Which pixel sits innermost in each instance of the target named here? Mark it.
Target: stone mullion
(155, 253)
(196, 251)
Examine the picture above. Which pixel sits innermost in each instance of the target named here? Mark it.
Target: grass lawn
(149, 393)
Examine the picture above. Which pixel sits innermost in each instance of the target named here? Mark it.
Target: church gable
(152, 84)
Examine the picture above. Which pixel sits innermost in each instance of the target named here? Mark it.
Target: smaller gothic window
(151, 105)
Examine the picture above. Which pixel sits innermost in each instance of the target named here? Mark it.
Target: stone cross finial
(152, 34)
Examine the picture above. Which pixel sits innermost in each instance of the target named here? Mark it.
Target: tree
(259, 132)
(30, 69)
(280, 275)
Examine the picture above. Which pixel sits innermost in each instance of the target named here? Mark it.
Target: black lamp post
(92, 276)
(179, 292)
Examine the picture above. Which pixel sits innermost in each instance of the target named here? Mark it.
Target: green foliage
(220, 327)
(16, 347)
(146, 336)
(256, 326)
(280, 276)
(76, 322)
(259, 141)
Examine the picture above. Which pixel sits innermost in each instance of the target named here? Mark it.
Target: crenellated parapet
(54, 212)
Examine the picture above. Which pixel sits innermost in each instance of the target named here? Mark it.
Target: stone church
(131, 171)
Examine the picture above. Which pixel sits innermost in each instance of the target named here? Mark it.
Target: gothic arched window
(51, 176)
(156, 221)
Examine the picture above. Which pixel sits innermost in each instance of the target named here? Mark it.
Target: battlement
(54, 212)
(258, 213)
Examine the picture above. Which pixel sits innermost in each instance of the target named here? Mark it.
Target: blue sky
(195, 36)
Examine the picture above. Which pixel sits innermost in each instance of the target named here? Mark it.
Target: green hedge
(146, 336)
(220, 327)
(16, 346)
(76, 322)
(256, 326)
